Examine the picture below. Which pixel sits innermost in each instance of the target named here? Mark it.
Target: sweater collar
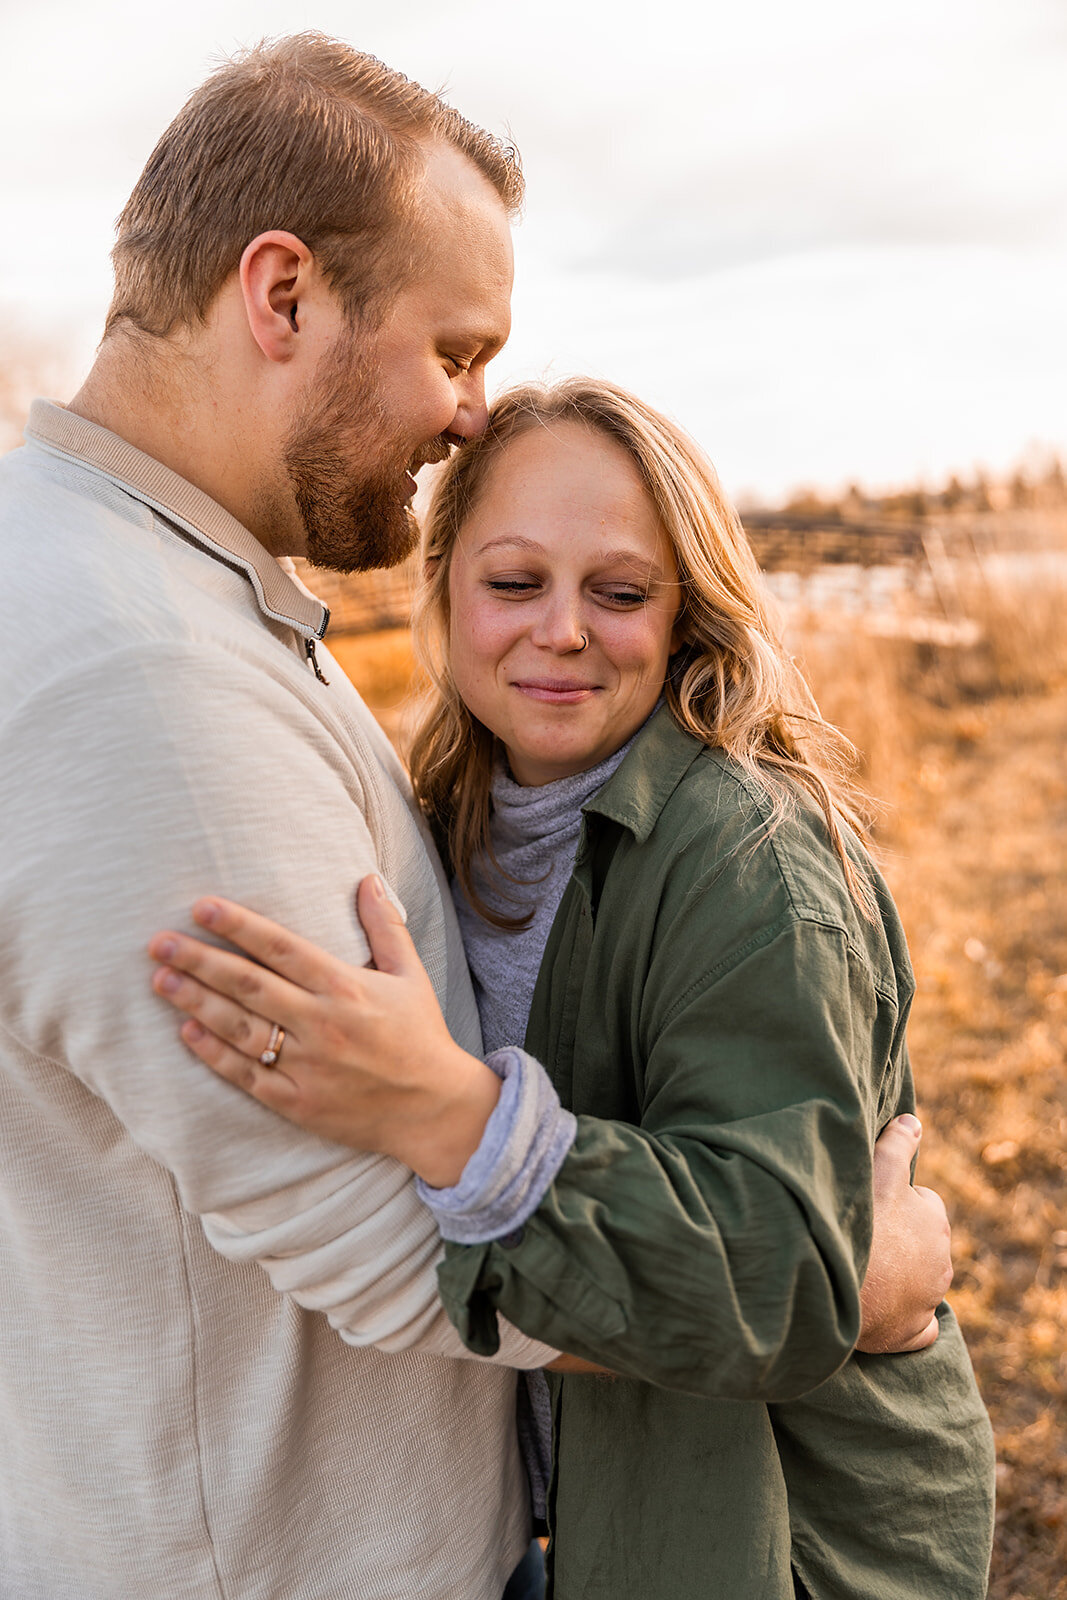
(63, 433)
(524, 814)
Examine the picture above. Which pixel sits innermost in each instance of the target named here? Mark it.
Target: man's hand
(910, 1266)
(367, 1059)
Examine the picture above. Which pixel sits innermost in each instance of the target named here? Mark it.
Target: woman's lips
(564, 693)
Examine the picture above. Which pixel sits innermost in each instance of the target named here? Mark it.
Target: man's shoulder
(43, 486)
(88, 574)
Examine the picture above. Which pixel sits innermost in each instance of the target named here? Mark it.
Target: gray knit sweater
(534, 834)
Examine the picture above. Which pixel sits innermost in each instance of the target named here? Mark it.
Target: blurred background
(831, 240)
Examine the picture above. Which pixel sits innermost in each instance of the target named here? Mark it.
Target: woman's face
(563, 545)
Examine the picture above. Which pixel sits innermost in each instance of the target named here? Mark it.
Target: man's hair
(302, 134)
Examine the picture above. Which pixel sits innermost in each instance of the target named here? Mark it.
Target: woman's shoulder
(759, 850)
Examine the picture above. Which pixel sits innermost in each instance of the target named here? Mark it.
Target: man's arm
(161, 772)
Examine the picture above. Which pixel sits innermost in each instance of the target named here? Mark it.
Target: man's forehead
(466, 251)
(452, 178)
(458, 206)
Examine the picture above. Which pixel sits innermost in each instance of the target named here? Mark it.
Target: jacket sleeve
(718, 1247)
(161, 773)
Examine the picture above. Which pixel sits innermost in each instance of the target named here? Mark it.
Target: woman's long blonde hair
(731, 683)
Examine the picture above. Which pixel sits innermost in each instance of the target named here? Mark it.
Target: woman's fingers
(248, 1031)
(267, 942)
(252, 988)
(390, 943)
(269, 1085)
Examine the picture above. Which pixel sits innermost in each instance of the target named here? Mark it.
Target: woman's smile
(567, 692)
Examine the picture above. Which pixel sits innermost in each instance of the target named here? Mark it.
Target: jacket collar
(644, 781)
(182, 503)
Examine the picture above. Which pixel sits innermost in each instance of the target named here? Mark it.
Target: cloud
(724, 224)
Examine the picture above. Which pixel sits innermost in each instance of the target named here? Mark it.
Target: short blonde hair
(302, 134)
(731, 683)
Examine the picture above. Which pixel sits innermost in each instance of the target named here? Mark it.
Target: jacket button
(511, 1241)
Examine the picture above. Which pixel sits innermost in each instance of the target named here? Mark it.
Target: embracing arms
(362, 1060)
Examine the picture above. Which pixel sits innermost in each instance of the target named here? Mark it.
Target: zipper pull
(309, 650)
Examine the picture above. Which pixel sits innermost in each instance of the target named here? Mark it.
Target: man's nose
(472, 413)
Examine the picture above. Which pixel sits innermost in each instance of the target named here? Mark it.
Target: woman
(718, 990)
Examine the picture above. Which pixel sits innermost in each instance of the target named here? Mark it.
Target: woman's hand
(367, 1059)
(910, 1266)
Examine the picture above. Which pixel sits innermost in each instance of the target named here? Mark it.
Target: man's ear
(275, 274)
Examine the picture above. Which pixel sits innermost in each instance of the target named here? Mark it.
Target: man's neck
(165, 403)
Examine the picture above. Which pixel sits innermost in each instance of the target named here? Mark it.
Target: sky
(830, 239)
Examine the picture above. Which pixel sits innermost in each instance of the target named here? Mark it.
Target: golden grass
(381, 665)
(966, 749)
(970, 750)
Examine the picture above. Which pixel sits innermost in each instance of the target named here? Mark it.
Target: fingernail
(377, 887)
(206, 912)
(193, 1032)
(170, 982)
(912, 1124)
(164, 949)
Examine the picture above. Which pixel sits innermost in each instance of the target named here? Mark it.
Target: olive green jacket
(729, 1028)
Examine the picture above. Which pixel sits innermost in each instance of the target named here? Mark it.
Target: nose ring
(584, 644)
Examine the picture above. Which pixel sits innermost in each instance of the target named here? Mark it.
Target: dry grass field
(966, 751)
(970, 751)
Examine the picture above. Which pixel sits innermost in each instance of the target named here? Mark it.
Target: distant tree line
(1037, 485)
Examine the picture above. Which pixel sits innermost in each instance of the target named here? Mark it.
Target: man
(311, 275)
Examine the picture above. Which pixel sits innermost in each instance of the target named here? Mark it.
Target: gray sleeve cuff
(523, 1147)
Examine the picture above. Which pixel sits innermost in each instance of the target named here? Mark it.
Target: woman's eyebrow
(632, 558)
(609, 558)
(514, 541)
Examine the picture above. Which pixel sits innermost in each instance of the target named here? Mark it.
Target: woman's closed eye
(518, 588)
(618, 595)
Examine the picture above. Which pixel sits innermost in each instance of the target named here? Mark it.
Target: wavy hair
(731, 683)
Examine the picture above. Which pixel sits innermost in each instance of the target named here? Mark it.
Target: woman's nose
(559, 626)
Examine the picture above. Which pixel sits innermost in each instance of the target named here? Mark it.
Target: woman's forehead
(565, 470)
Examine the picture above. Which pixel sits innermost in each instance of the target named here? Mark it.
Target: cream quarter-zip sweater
(177, 1419)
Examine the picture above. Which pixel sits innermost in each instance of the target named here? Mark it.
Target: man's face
(385, 401)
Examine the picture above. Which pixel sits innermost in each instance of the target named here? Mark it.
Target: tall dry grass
(968, 751)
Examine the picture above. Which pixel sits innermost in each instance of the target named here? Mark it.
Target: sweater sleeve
(717, 1247)
(160, 773)
(520, 1152)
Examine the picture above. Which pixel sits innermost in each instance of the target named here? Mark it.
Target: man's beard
(353, 522)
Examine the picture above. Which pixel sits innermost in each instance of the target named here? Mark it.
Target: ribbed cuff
(523, 1147)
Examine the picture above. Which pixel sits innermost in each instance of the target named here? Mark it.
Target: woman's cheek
(475, 652)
